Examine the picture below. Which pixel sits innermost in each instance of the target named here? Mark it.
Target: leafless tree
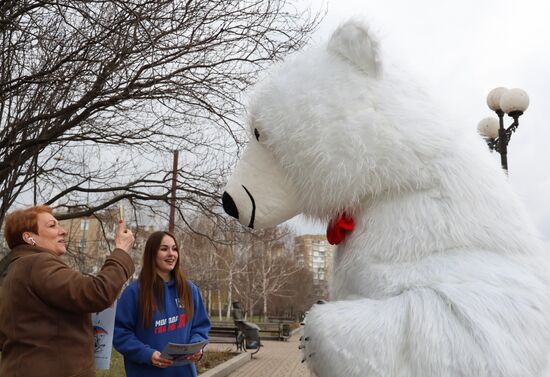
(211, 253)
(197, 254)
(95, 95)
(269, 262)
(302, 296)
(231, 262)
(275, 264)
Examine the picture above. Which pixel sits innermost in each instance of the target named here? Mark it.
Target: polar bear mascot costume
(438, 271)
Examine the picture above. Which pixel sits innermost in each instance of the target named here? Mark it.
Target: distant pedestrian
(45, 322)
(161, 307)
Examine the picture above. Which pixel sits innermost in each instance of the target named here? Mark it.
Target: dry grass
(117, 367)
(212, 359)
(209, 360)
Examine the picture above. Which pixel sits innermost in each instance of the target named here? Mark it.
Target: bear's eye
(257, 134)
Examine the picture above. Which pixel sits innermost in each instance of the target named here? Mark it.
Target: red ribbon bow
(337, 229)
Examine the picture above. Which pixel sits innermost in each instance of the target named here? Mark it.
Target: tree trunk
(229, 298)
(220, 316)
(265, 308)
(251, 309)
(209, 299)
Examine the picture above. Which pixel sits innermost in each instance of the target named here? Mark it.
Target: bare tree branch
(95, 95)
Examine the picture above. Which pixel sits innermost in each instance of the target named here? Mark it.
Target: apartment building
(315, 253)
(90, 239)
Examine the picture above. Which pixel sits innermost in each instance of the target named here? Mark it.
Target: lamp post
(502, 101)
(173, 192)
(34, 190)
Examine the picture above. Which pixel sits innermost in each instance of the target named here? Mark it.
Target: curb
(229, 366)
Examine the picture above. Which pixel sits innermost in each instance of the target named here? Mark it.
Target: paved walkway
(276, 359)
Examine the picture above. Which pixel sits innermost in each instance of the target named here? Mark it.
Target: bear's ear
(353, 42)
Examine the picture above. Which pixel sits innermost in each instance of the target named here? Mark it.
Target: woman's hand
(194, 357)
(124, 239)
(159, 361)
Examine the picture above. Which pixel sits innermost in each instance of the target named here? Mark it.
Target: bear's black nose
(229, 205)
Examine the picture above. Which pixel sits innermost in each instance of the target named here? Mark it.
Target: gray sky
(459, 51)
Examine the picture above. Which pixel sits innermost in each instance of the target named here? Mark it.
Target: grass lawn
(117, 367)
(209, 360)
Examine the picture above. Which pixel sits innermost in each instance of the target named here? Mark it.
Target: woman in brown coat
(45, 322)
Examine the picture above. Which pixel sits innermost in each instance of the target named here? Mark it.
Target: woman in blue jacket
(161, 306)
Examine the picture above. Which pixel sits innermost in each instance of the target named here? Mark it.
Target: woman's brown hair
(20, 221)
(151, 294)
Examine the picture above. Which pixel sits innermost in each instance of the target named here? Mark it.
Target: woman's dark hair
(151, 295)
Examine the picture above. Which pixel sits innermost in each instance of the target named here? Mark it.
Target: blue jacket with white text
(137, 343)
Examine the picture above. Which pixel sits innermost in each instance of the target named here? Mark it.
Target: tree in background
(299, 300)
(229, 262)
(94, 96)
(273, 264)
(197, 255)
(212, 255)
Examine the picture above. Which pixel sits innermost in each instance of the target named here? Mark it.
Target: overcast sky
(459, 51)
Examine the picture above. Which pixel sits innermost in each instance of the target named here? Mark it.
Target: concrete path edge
(229, 366)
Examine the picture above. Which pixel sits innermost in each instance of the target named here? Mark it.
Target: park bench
(243, 334)
(226, 335)
(280, 319)
(275, 331)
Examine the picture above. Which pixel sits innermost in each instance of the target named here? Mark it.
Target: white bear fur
(444, 274)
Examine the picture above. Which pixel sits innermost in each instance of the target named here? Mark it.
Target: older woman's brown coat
(45, 321)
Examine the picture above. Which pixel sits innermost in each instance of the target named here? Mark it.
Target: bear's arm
(452, 328)
(383, 337)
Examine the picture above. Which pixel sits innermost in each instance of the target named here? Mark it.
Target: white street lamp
(488, 127)
(502, 101)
